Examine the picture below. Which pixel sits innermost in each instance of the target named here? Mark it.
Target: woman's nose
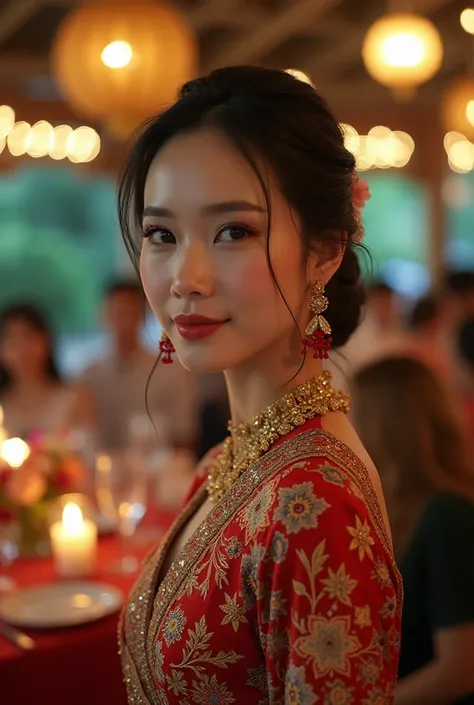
(194, 273)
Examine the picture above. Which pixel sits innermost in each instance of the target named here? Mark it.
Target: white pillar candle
(74, 543)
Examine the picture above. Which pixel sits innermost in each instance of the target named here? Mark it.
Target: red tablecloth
(76, 666)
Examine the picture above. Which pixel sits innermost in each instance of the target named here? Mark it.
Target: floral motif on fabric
(287, 595)
(299, 508)
(256, 515)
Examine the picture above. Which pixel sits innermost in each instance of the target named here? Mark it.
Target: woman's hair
(411, 429)
(465, 341)
(276, 120)
(29, 314)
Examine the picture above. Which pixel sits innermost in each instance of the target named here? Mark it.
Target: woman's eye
(231, 233)
(159, 236)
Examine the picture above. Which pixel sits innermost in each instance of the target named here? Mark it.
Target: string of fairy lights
(79, 145)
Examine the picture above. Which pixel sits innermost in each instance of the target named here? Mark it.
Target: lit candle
(74, 543)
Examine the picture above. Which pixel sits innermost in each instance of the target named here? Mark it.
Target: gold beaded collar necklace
(249, 441)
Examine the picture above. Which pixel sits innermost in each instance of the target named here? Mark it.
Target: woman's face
(24, 350)
(204, 255)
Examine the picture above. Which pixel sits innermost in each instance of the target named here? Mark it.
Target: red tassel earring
(166, 349)
(318, 332)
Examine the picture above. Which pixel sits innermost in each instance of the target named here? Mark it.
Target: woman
(32, 394)
(411, 429)
(277, 582)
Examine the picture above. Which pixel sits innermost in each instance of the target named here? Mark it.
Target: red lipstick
(196, 327)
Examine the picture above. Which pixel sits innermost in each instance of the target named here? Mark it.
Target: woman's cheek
(154, 285)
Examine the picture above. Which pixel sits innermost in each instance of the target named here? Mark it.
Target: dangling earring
(318, 332)
(166, 349)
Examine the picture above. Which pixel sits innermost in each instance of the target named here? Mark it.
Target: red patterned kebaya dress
(288, 593)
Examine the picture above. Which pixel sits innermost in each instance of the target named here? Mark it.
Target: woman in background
(412, 431)
(32, 393)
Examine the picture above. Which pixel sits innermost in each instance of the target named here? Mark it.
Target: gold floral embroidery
(197, 652)
(256, 515)
(362, 617)
(381, 573)
(376, 697)
(362, 540)
(234, 613)
(176, 682)
(339, 585)
(312, 569)
(389, 608)
(207, 690)
(329, 645)
(339, 694)
(369, 672)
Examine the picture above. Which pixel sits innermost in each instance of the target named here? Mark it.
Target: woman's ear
(324, 262)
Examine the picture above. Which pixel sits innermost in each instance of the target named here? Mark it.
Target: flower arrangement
(49, 469)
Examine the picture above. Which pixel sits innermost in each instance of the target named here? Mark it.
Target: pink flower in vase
(25, 486)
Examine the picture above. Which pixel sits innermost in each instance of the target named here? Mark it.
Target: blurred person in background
(465, 346)
(32, 394)
(377, 335)
(426, 337)
(410, 427)
(118, 382)
(459, 292)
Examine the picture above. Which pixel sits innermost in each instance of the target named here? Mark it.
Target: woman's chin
(204, 361)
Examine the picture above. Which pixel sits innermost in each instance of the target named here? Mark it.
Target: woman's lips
(195, 327)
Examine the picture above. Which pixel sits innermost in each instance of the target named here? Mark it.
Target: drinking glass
(9, 551)
(122, 495)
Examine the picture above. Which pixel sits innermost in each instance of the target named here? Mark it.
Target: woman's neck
(253, 389)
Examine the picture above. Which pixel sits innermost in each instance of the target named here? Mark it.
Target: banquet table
(78, 665)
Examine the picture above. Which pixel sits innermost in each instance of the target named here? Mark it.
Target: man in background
(377, 335)
(117, 383)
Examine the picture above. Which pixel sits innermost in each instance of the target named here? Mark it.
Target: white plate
(60, 605)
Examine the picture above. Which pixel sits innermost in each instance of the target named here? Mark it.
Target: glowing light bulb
(467, 20)
(117, 55)
(404, 50)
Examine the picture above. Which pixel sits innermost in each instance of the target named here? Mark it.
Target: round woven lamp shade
(152, 50)
(402, 51)
(458, 107)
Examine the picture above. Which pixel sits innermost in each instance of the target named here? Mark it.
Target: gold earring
(318, 331)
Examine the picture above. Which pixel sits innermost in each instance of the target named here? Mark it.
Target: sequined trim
(148, 606)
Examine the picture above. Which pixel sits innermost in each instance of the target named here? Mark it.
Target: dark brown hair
(409, 424)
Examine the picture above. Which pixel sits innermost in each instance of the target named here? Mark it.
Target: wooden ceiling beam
(14, 16)
(267, 37)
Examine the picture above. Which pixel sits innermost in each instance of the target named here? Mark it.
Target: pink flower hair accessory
(360, 195)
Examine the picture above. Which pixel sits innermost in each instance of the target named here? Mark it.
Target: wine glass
(122, 495)
(9, 551)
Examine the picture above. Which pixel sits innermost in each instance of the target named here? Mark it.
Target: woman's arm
(446, 538)
(449, 677)
(325, 589)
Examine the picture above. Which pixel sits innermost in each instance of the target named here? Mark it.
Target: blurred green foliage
(59, 242)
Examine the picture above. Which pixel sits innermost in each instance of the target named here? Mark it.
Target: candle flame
(14, 451)
(72, 518)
